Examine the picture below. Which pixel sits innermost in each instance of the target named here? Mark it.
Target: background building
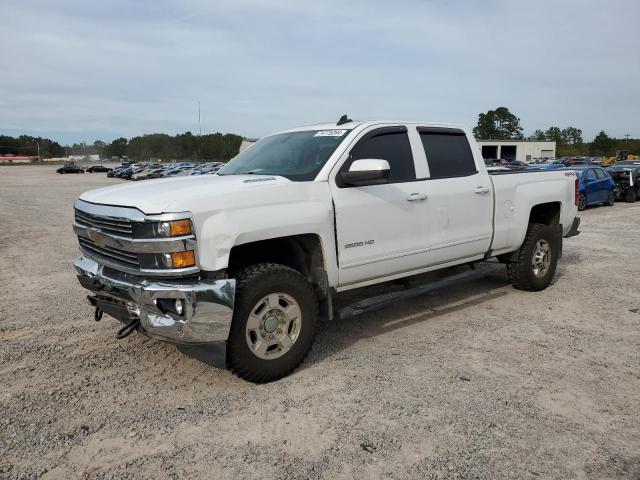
(522, 150)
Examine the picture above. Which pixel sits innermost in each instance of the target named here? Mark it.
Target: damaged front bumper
(207, 306)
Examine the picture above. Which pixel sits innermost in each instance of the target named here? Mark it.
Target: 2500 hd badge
(359, 244)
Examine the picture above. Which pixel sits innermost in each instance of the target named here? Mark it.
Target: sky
(77, 70)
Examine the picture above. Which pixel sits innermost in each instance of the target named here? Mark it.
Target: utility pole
(199, 124)
(627, 137)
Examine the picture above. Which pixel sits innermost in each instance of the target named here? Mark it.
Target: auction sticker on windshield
(330, 133)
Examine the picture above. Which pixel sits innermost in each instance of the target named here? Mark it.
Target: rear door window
(448, 152)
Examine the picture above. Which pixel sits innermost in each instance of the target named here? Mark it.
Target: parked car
(70, 167)
(175, 171)
(546, 166)
(148, 174)
(627, 180)
(596, 186)
(492, 162)
(574, 161)
(243, 263)
(127, 174)
(116, 171)
(517, 165)
(125, 171)
(99, 168)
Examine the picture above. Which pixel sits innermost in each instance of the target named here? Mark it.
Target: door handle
(414, 197)
(482, 190)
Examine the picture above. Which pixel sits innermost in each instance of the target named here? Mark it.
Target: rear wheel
(611, 199)
(582, 202)
(537, 258)
(630, 196)
(274, 322)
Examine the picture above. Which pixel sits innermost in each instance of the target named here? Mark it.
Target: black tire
(611, 199)
(254, 283)
(521, 272)
(630, 196)
(582, 202)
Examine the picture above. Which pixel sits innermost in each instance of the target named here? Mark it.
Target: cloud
(81, 70)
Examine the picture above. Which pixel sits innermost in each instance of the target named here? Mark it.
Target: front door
(381, 228)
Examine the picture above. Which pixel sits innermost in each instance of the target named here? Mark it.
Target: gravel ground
(480, 381)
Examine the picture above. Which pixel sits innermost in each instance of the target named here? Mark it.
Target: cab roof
(366, 123)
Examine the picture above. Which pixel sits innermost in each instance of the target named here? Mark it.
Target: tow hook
(127, 329)
(97, 316)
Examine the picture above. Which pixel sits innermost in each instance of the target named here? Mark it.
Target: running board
(379, 301)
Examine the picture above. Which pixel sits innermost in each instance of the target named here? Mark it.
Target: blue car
(596, 186)
(547, 166)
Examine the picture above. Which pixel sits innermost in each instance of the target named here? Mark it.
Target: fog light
(178, 307)
(183, 259)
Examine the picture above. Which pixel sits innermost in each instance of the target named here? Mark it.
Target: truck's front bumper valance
(206, 306)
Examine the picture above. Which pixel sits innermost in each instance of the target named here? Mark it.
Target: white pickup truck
(245, 262)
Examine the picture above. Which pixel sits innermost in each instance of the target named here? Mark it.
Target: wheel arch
(303, 252)
(547, 213)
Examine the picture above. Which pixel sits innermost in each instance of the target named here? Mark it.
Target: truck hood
(182, 193)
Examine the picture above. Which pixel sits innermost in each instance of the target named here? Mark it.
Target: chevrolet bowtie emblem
(96, 236)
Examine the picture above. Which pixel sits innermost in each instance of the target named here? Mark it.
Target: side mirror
(365, 171)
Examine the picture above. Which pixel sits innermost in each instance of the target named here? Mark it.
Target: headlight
(174, 228)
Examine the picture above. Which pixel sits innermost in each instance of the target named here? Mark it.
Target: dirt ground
(479, 381)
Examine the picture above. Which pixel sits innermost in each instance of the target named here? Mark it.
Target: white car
(242, 263)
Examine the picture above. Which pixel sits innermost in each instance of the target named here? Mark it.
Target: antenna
(343, 119)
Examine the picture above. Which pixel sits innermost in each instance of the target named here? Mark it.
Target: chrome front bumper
(208, 305)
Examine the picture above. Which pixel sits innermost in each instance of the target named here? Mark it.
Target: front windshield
(298, 156)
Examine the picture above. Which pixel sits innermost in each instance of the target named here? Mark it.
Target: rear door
(381, 229)
(460, 197)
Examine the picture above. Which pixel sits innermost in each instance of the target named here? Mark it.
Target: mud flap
(573, 231)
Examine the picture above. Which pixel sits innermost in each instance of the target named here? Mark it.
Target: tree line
(501, 124)
(184, 146)
(28, 146)
(498, 124)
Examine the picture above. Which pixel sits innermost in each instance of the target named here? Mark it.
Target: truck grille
(115, 226)
(109, 254)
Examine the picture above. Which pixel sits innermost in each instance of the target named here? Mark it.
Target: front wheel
(537, 258)
(611, 199)
(274, 322)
